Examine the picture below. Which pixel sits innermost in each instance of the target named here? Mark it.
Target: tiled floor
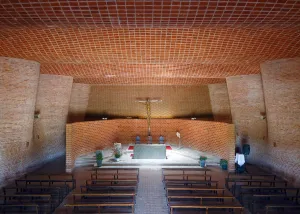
(151, 197)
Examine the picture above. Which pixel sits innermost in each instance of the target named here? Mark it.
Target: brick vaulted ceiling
(150, 42)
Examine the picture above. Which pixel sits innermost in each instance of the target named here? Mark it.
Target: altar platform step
(175, 157)
(148, 164)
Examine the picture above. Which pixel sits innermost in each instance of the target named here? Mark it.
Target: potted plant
(99, 158)
(117, 156)
(203, 161)
(224, 164)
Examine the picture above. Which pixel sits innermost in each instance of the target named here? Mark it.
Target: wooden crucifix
(147, 103)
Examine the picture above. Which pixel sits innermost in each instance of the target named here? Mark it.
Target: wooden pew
(116, 169)
(260, 201)
(259, 189)
(44, 201)
(100, 205)
(213, 191)
(250, 181)
(115, 172)
(205, 207)
(233, 175)
(97, 171)
(87, 196)
(197, 183)
(246, 182)
(121, 175)
(169, 171)
(19, 208)
(246, 192)
(55, 192)
(201, 197)
(278, 207)
(109, 189)
(71, 183)
(186, 177)
(49, 176)
(112, 182)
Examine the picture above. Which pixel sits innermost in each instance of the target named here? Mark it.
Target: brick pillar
(18, 89)
(281, 86)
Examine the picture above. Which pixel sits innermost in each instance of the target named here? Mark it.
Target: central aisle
(151, 196)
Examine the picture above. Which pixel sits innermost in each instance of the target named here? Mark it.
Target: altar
(149, 151)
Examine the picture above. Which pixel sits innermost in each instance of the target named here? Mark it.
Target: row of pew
(110, 190)
(264, 193)
(37, 193)
(192, 190)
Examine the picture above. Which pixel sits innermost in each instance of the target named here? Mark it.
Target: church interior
(150, 106)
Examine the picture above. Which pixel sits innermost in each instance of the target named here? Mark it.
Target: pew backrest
(95, 176)
(212, 190)
(183, 206)
(50, 182)
(191, 183)
(107, 188)
(186, 177)
(34, 206)
(169, 171)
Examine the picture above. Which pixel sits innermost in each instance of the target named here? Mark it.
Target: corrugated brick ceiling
(150, 42)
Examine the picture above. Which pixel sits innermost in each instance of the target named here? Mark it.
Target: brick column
(18, 89)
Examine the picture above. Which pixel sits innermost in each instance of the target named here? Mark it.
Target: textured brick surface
(18, 89)
(281, 83)
(212, 137)
(154, 13)
(177, 101)
(149, 56)
(52, 103)
(150, 42)
(247, 106)
(78, 102)
(220, 102)
(85, 137)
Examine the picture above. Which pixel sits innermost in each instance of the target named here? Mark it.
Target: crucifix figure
(147, 103)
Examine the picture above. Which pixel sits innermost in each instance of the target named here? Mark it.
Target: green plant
(203, 158)
(223, 162)
(117, 155)
(99, 156)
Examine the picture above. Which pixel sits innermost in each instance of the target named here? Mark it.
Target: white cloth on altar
(240, 159)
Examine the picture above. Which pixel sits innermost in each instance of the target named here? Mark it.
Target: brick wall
(281, 83)
(52, 103)
(85, 137)
(247, 106)
(213, 137)
(78, 102)
(177, 101)
(220, 102)
(18, 89)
